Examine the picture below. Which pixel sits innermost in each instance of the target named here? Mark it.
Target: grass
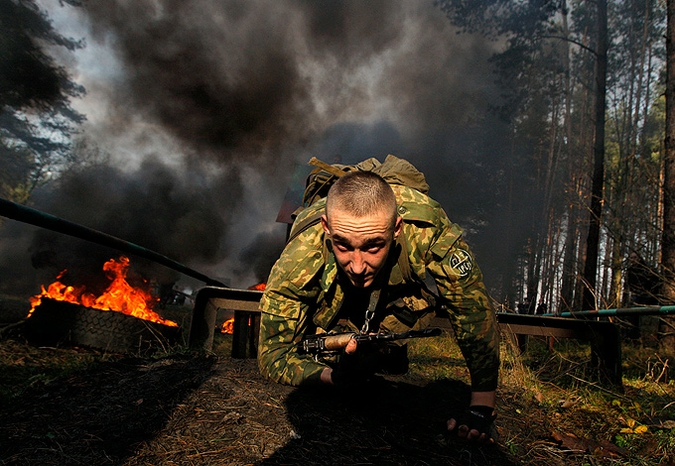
(24, 366)
(551, 412)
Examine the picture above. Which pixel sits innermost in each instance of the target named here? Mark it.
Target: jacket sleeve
(286, 313)
(278, 356)
(460, 284)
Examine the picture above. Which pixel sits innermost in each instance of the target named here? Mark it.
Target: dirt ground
(79, 406)
(203, 410)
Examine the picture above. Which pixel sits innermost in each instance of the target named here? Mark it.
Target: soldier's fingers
(463, 431)
(451, 424)
(351, 346)
(479, 437)
(474, 435)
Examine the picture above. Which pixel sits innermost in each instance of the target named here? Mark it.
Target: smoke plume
(205, 108)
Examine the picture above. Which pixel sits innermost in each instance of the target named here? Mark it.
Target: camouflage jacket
(304, 293)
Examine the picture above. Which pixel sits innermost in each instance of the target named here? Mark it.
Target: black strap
(403, 262)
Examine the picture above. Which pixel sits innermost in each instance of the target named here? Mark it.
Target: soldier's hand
(331, 377)
(356, 368)
(475, 424)
(351, 346)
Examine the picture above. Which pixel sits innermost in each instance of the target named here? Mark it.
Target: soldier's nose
(358, 265)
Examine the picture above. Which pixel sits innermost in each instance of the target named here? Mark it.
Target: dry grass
(77, 406)
(550, 412)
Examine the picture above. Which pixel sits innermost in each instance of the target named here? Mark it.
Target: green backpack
(393, 170)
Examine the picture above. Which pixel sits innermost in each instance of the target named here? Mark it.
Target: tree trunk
(593, 239)
(667, 327)
(569, 271)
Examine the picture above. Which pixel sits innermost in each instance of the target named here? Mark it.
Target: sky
(205, 109)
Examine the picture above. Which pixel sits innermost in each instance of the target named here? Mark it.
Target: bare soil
(78, 406)
(201, 410)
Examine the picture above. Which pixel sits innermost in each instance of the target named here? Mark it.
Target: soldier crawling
(362, 268)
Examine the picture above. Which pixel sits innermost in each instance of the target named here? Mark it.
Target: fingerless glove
(479, 418)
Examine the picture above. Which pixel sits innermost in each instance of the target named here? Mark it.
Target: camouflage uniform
(304, 294)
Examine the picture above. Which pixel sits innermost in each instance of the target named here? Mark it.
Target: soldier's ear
(398, 226)
(324, 224)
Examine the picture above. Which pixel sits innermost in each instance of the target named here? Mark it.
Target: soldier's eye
(373, 247)
(342, 247)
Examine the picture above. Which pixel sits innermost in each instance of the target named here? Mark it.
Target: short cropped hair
(361, 193)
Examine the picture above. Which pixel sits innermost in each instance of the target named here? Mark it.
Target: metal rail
(603, 337)
(41, 219)
(626, 311)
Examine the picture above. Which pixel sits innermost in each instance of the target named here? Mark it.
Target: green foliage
(36, 120)
(29, 78)
(546, 72)
(17, 162)
(500, 17)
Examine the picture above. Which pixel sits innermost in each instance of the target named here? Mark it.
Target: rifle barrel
(331, 342)
(41, 219)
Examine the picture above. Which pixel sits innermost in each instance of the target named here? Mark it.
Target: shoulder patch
(461, 262)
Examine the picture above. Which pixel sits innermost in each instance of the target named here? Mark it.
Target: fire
(228, 326)
(119, 296)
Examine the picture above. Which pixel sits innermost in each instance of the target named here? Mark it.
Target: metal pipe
(626, 311)
(41, 219)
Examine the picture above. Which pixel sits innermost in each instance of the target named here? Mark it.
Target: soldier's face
(361, 244)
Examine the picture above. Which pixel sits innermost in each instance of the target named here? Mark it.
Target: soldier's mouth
(360, 281)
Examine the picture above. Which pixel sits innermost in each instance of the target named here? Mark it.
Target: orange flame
(228, 326)
(119, 296)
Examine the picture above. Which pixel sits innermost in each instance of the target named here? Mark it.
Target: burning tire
(56, 322)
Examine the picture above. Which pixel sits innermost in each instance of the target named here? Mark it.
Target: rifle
(324, 343)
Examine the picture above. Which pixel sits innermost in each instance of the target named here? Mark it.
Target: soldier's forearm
(293, 372)
(483, 399)
(326, 376)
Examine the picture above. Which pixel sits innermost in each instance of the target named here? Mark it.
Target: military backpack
(393, 170)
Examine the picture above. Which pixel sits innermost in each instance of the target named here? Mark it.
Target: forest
(553, 70)
(581, 182)
(546, 129)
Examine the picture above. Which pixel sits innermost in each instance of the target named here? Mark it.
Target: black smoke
(246, 90)
(180, 215)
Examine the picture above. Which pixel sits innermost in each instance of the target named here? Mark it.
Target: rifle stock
(333, 342)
